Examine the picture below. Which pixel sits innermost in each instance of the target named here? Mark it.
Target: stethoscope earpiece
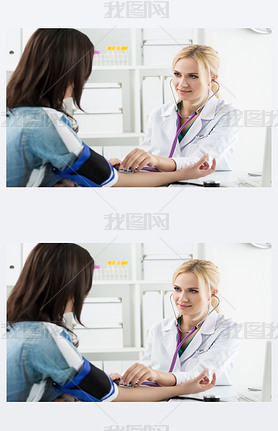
(175, 316)
(174, 98)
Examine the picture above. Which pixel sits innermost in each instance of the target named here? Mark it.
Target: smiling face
(189, 299)
(187, 81)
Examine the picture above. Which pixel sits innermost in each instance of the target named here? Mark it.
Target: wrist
(165, 379)
(164, 164)
(155, 161)
(155, 375)
(179, 175)
(174, 379)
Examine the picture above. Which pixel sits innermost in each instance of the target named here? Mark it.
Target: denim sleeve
(50, 139)
(52, 355)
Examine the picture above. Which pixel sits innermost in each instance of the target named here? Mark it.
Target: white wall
(246, 81)
(245, 294)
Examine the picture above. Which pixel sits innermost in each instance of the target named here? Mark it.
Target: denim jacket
(35, 143)
(41, 142)
(38, 354)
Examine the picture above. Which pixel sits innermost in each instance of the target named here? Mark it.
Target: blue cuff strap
(79, 162)
(88, 380)
(74, 172)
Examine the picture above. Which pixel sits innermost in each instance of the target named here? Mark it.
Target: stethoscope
(179, 127)
(180, 343)
(196, 327)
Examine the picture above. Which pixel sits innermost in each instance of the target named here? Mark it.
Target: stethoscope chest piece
(211, 183)
(211, 399)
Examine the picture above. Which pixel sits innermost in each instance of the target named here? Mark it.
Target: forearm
(164, 164)
(155, 179)
(199, 384)
(165, 379)
(147, 179)
(148, 394)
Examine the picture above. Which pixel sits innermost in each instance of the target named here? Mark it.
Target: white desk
(226, 179)
(225, 393)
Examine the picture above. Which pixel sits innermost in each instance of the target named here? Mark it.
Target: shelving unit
(150, 54)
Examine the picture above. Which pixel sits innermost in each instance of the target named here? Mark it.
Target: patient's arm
(193, 386)
(155, 179)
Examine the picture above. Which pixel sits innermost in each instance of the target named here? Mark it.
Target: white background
(195, 216)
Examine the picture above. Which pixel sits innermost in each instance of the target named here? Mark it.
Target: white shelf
(126, 282)
(136, 67)
(113, 350)
(108, 68)
(96, 68)
(111, 135)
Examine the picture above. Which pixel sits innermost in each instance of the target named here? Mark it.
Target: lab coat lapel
(169, 126)
(207, 328)
(192, 132)
(193, 346)
(206, 114)
(169, 338)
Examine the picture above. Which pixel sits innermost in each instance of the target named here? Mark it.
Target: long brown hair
(53, 275)
(53, 59)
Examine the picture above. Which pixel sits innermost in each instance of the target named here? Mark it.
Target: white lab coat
(214, 347)
(214, 132)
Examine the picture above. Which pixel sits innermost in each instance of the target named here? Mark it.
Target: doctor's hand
(114, 161)
(138, 373)
(137, 159)
(198, 384)
(198, 169)
(115, 376)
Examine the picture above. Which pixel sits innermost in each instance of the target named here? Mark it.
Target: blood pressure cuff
(91, 385)
(89, 170)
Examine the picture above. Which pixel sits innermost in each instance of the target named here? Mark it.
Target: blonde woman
(198, 337)
(213, 130)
